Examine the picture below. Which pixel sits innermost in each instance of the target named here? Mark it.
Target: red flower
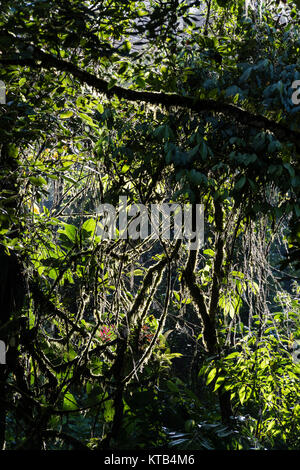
(106, 333)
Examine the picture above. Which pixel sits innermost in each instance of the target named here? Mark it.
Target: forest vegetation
(131, 343)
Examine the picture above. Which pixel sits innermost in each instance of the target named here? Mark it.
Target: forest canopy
(142, 342)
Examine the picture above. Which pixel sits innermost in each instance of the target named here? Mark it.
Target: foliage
(152, 101)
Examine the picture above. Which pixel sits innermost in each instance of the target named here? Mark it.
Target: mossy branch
(42, 59)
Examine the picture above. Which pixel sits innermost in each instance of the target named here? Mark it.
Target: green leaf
(211, 376)
(196, 177)
(238, 274)
(242, 393)
(69, 231)
(203, 150)
(219, 382)
(209, 252)
(87, 119)
(89, 225)
(112, 83)
(66, 114)
(138, 272)
(290, 169)
(232, 355)
(140, 82)
(109, 410)
(240, 183)
(164, 131)
(69, 402)
(37, 180)
(172, 386)
(13, 151)
(177, 295)
(125, 168)
(244, 77)
(127, 46)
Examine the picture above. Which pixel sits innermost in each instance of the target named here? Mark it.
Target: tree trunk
(12, 285)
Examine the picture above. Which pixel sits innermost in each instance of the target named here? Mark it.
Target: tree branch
(218, 261)
(209, 333)
(41, 59)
